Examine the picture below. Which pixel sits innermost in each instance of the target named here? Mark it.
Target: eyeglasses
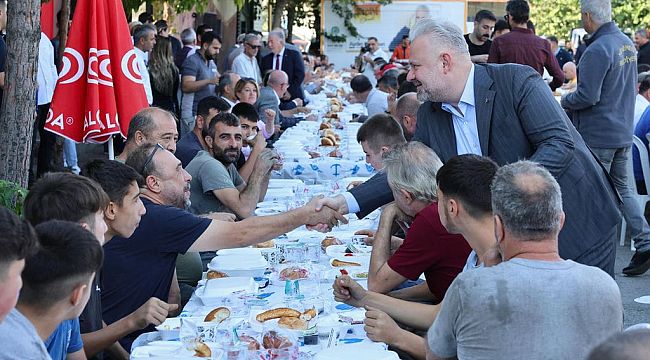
(162, 29)
(254, 46)
(150, 158)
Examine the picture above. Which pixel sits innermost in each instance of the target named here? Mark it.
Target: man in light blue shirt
(464, 119)
(465, 129)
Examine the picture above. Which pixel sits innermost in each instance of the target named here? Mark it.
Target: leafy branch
(336, 38)
(345, 10)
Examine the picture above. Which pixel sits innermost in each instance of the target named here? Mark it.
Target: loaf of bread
(292, 323)
(266, 244)
(308, 314)
(277, 313)
(329, 241)
(325, 141)
(332, 138)
(202, 350)
(217, 315)
(339, 263)
(213, 274)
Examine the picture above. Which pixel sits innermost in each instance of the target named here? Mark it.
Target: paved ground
(632, 288)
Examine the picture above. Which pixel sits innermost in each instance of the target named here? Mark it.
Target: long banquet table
(337, 331)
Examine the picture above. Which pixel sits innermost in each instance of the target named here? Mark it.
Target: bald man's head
(569, 70)
(279, 81)
(277, 77)
(406, 112)
(153, 125)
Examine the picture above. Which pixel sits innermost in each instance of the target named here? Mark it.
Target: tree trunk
(63, 31)
(17, 113)
(291, 17)
(277, 13)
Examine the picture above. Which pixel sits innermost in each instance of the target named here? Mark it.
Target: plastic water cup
(312, 252)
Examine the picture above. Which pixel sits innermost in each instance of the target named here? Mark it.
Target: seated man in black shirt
(478, 40)
(142, 266)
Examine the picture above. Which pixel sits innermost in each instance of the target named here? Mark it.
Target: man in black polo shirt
(142, 266)
(478, 40)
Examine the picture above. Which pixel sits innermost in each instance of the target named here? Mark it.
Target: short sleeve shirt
(142, 266)
(209, 174)
(65, 340)
(187, 148)
(428, 248)
(564, 309)
(196, 66)
(478, 49)
(19, 339)
(90, 319)
(377, 102)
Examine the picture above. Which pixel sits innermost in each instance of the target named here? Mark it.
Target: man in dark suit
(505, 112)
(287, 60)
(561, 55)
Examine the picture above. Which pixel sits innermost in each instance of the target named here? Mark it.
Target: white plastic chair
(644, 159)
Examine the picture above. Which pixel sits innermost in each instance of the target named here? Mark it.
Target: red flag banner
(100, 87)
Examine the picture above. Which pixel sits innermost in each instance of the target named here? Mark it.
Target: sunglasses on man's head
(150, 158)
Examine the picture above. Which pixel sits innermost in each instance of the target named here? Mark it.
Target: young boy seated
(116, 211)
(17, 241)
(56, 286)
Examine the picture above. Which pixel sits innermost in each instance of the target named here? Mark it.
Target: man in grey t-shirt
(534, 305)
(199, 77)
(208, 175)
(216, 185)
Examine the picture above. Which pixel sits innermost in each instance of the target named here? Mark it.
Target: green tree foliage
(631, 15)
(345, 9)
(555, 17)
(12, 196)
(558, 17)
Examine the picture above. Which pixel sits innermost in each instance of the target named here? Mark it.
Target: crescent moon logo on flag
(98, 72)
(130, 67)
(71, 59)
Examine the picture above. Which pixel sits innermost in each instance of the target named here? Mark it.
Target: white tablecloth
(329, 175)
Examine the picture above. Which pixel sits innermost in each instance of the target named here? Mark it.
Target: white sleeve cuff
(353, 205)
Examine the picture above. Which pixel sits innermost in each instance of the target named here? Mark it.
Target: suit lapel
(285, 61)
(484, 101)
(444, 133)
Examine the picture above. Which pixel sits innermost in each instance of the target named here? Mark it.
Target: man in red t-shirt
(428, 248)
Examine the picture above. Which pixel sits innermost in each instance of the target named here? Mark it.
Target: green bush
(12, 196)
